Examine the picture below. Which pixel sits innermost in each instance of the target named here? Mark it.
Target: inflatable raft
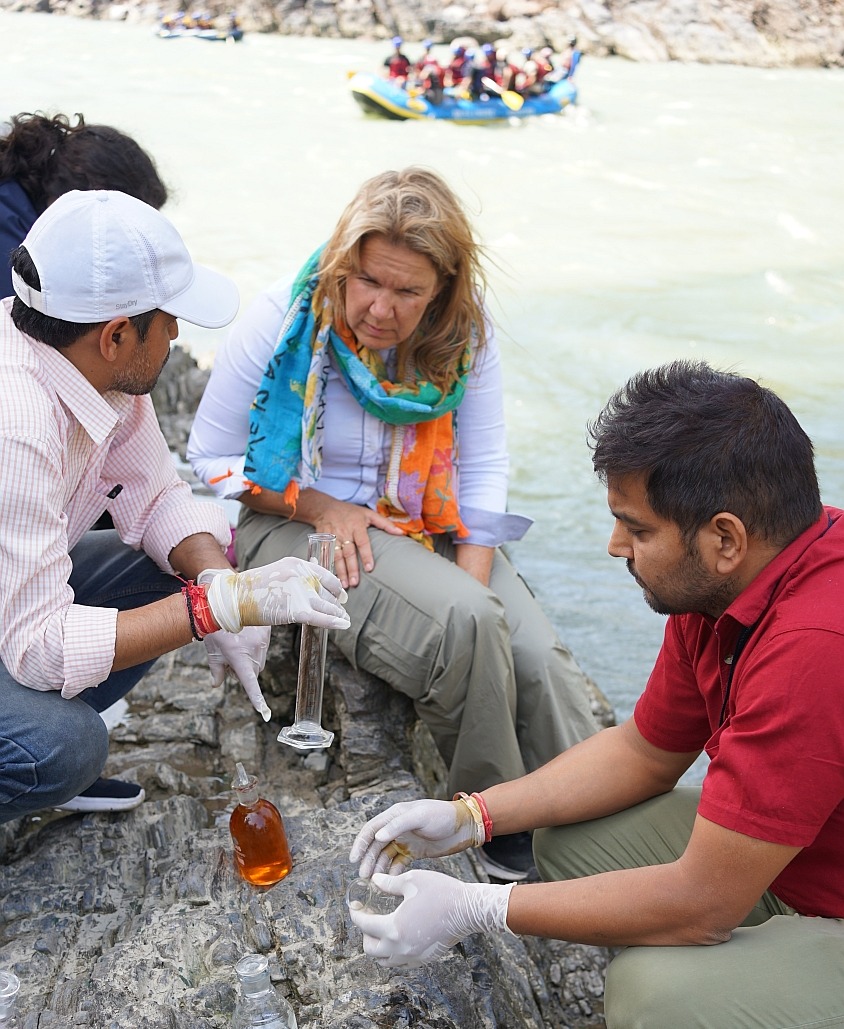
(378, 95)
(210, 35)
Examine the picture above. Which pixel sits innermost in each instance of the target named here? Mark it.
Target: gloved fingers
(395, 886)
(256, 698)
(329, 617)
(366, 834)
(216, 662)
(380, 854)
(392, 863)
(243, 654)
(244, 669)
(329, 581)
(219, 670)
(255, 639)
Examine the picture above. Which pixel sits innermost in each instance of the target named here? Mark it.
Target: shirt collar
(756, 598)
(98, 414)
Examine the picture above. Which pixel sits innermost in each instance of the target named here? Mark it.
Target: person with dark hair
(727, 899)
(43, 157)
(334, 406)
(100, 282)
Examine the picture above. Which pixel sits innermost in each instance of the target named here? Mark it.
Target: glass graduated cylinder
(307, 732)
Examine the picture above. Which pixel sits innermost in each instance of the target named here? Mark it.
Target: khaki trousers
(780, 970)
(484, 668)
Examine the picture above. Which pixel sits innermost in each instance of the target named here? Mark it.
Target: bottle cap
(241, 780)
(253, 971)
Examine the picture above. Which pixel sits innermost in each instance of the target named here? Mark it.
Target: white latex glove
(289, 590)
(418, 829)
(242, 654)
(437, 912)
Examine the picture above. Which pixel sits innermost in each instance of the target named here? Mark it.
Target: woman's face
(386, 299)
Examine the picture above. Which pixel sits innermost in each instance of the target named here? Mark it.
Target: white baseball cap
(101, 254)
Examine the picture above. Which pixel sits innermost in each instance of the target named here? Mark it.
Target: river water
(678, 211)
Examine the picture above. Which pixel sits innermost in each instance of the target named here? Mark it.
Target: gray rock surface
(764, 33)
(136, 921)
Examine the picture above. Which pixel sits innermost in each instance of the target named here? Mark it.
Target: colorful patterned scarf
(284, 452)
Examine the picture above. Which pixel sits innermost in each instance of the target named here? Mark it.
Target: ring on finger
(347, 543)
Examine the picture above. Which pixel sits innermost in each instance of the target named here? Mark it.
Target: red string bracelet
(199, 610)
(485, 815)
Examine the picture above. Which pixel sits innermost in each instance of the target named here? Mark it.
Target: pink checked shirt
(63, 448)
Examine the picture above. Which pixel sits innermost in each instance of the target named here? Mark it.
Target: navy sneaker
(106, 795)
(508, 858)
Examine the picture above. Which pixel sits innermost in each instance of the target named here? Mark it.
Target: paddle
(511, 99)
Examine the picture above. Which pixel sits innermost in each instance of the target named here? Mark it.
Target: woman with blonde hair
(336, 406)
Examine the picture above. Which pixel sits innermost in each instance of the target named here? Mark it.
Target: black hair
(709, 441)
(56, 332)
(48, 156)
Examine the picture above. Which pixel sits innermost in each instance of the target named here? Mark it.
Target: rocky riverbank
(763, 33)
(136, 921)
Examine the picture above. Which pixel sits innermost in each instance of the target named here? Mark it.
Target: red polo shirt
(777, 762)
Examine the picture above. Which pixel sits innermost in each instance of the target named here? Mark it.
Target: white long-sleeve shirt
(356, 444)
(64, 448)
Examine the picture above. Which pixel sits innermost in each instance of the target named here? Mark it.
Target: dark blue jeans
(51, 749)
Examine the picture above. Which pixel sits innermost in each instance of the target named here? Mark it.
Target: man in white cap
(100, 282)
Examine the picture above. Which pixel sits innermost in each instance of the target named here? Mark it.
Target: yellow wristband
(477, 817)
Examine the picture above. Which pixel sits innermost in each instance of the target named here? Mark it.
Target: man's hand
(419, 829)
(289, 590)
(242, 654)
(436, 912)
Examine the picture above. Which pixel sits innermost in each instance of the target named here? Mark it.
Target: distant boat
(176, 30)
(378, 95)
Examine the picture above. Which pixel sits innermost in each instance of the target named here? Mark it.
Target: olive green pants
(483, 666)
(779, 971)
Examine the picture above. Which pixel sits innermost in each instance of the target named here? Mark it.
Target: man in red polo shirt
(712, 486)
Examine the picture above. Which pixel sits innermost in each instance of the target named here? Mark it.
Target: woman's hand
(349, 523)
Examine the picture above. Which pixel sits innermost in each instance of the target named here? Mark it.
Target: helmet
(460, 51)
(527, 51)
(427, 44)
(397, 41)
(572, 40)
(489, 48)
(546, 51)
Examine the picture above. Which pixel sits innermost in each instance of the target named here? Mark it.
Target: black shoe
(509, 858)
(106, 795)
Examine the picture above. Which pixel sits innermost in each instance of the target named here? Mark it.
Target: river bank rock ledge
(136, 921)
(762, 33)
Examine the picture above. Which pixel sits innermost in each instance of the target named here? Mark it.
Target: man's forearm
(148, 632)
(630, 907)
(584, 782)
(197, 552)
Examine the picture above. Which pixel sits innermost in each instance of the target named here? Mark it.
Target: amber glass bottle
(260, 842)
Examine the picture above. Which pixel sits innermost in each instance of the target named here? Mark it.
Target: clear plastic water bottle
(9, 987)
(259, 1004)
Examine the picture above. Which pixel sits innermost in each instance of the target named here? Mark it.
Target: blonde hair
(414, 208)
